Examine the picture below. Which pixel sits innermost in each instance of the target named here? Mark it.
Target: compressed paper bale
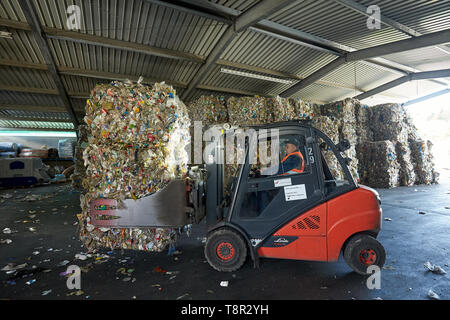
(329, 126)
(210, 110)
(407, 175)
(80, 170)
(383, 167)
(132, 113)
(423, 162)
(137, 145)
(363, 153)
(304, 110)
(388, 122)
(354, 163)
(281, 109)
(248, 111)
(362, 128)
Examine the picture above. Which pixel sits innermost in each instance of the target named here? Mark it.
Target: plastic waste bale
(281, 109)
(210, 110)
(422, 160)
(304, 110)
(388, 122)
(137, 145)
(362, 128)
(79, 173)
(407, 176)
(363, 151)
(248, 111)
(383, 168)
(330, 126)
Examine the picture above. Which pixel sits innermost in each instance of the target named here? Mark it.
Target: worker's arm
(292, 162)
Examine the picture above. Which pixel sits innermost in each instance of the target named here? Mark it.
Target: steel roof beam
(36, 129)
(121, 77)
(427, 97)
(265, 27)
(258, 12)
(18, 118)
(384, 20)
(373, 52)
(30, 14)
(196, 10)
(72, 94)
(6, 106)
(413, 76)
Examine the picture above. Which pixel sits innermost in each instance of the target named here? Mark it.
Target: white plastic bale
(137, 144)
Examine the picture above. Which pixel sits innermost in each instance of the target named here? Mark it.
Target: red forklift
(310, 214)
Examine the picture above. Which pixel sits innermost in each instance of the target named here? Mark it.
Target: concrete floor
(410, 240)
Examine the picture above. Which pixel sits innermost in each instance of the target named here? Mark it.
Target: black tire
(225, 250)
(363, 251)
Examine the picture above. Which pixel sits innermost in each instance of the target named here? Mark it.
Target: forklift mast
(215, 179)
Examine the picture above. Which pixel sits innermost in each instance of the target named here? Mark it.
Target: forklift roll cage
(224, 211)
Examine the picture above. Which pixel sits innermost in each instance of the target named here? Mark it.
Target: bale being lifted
(137, 145)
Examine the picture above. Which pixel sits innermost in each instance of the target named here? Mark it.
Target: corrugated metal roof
(21, 77)
(83, 65)
(332, 21)
(241, 5)
(30, 99)
(138, 21)
(420, 57)
(261, 50)
(22, 47)
(424, 16)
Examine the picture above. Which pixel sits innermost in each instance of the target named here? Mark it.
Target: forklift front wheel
(363, 251)
(225, 250)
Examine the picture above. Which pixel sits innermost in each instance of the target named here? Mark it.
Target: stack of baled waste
(330, 127)
(79, 174)
(137, 144)
(423, 162)
(304, 110)
(360, 124)
(247, 111)
(281, 109)
(343, 113)
(389, 122)
(381, 165)
(210, 110)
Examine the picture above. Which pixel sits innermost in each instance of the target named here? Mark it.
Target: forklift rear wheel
(225, 250)
(363, 251)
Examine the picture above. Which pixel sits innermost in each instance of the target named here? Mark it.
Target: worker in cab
(293, 162)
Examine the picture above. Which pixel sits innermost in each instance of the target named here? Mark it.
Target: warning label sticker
(282, 182)
(297, 192)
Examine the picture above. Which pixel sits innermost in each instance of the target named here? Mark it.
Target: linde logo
(281, 241)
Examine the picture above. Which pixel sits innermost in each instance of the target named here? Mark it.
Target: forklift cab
(275, 213)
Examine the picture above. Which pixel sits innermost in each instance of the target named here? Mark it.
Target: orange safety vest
(295, 170)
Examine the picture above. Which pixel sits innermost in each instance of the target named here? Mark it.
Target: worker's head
(291, 146)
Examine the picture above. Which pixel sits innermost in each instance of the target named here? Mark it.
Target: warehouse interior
(376, 73)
